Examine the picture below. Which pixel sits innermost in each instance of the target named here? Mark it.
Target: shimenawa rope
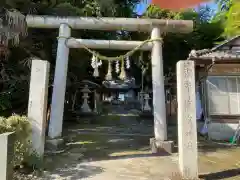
(117, 58)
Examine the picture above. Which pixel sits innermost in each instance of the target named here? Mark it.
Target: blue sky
(142, 6)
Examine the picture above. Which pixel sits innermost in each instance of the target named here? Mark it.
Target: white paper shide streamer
(127, 63)
(95, 65)
(117, 67)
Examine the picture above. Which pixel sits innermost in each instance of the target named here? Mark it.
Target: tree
(204, 35)
(232, 25)
(15, 73)
(224, 5)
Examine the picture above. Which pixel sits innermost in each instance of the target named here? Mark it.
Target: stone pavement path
(108, 152)
(121, 152)
(141, 168)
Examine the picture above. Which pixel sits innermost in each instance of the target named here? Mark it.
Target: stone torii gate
(65, 24)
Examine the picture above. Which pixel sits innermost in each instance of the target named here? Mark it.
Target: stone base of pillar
(54, 146)
(161, 147)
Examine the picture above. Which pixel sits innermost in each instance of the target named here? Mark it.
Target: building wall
(221, 127)
(221, 131)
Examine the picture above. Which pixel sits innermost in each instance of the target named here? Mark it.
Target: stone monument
(187, 123)
(37, 103)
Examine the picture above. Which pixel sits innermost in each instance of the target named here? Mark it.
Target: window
(223, 95)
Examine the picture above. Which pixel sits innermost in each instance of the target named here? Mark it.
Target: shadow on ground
(108, 141)
(91, 143)
(97, 147)
(122, 138)
(232, 173)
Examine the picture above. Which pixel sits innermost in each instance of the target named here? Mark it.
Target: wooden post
(37, 106)
(187, 123)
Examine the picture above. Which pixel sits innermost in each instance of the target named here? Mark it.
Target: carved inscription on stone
(38, 69)
(189, 145)
(188, 133)
(187, 120)
(188, 74)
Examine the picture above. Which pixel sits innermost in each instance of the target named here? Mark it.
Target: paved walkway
(109, 153)
(119, 150)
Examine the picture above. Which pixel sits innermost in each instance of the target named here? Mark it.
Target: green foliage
(156, 12)
(204, 35)
(33, 160)
(232, 26)
(229, 16)
(43, 44)
(5, 101)
(224, 5)
(22, 128)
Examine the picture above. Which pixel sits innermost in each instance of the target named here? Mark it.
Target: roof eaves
(224, 43)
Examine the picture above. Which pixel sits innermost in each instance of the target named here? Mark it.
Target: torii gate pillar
(159, 142)
(59, 85)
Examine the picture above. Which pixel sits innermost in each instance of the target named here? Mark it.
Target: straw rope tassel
(122, 75)
(109, 74)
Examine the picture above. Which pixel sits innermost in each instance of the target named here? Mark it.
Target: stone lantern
(146, 102)
(85, 107)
